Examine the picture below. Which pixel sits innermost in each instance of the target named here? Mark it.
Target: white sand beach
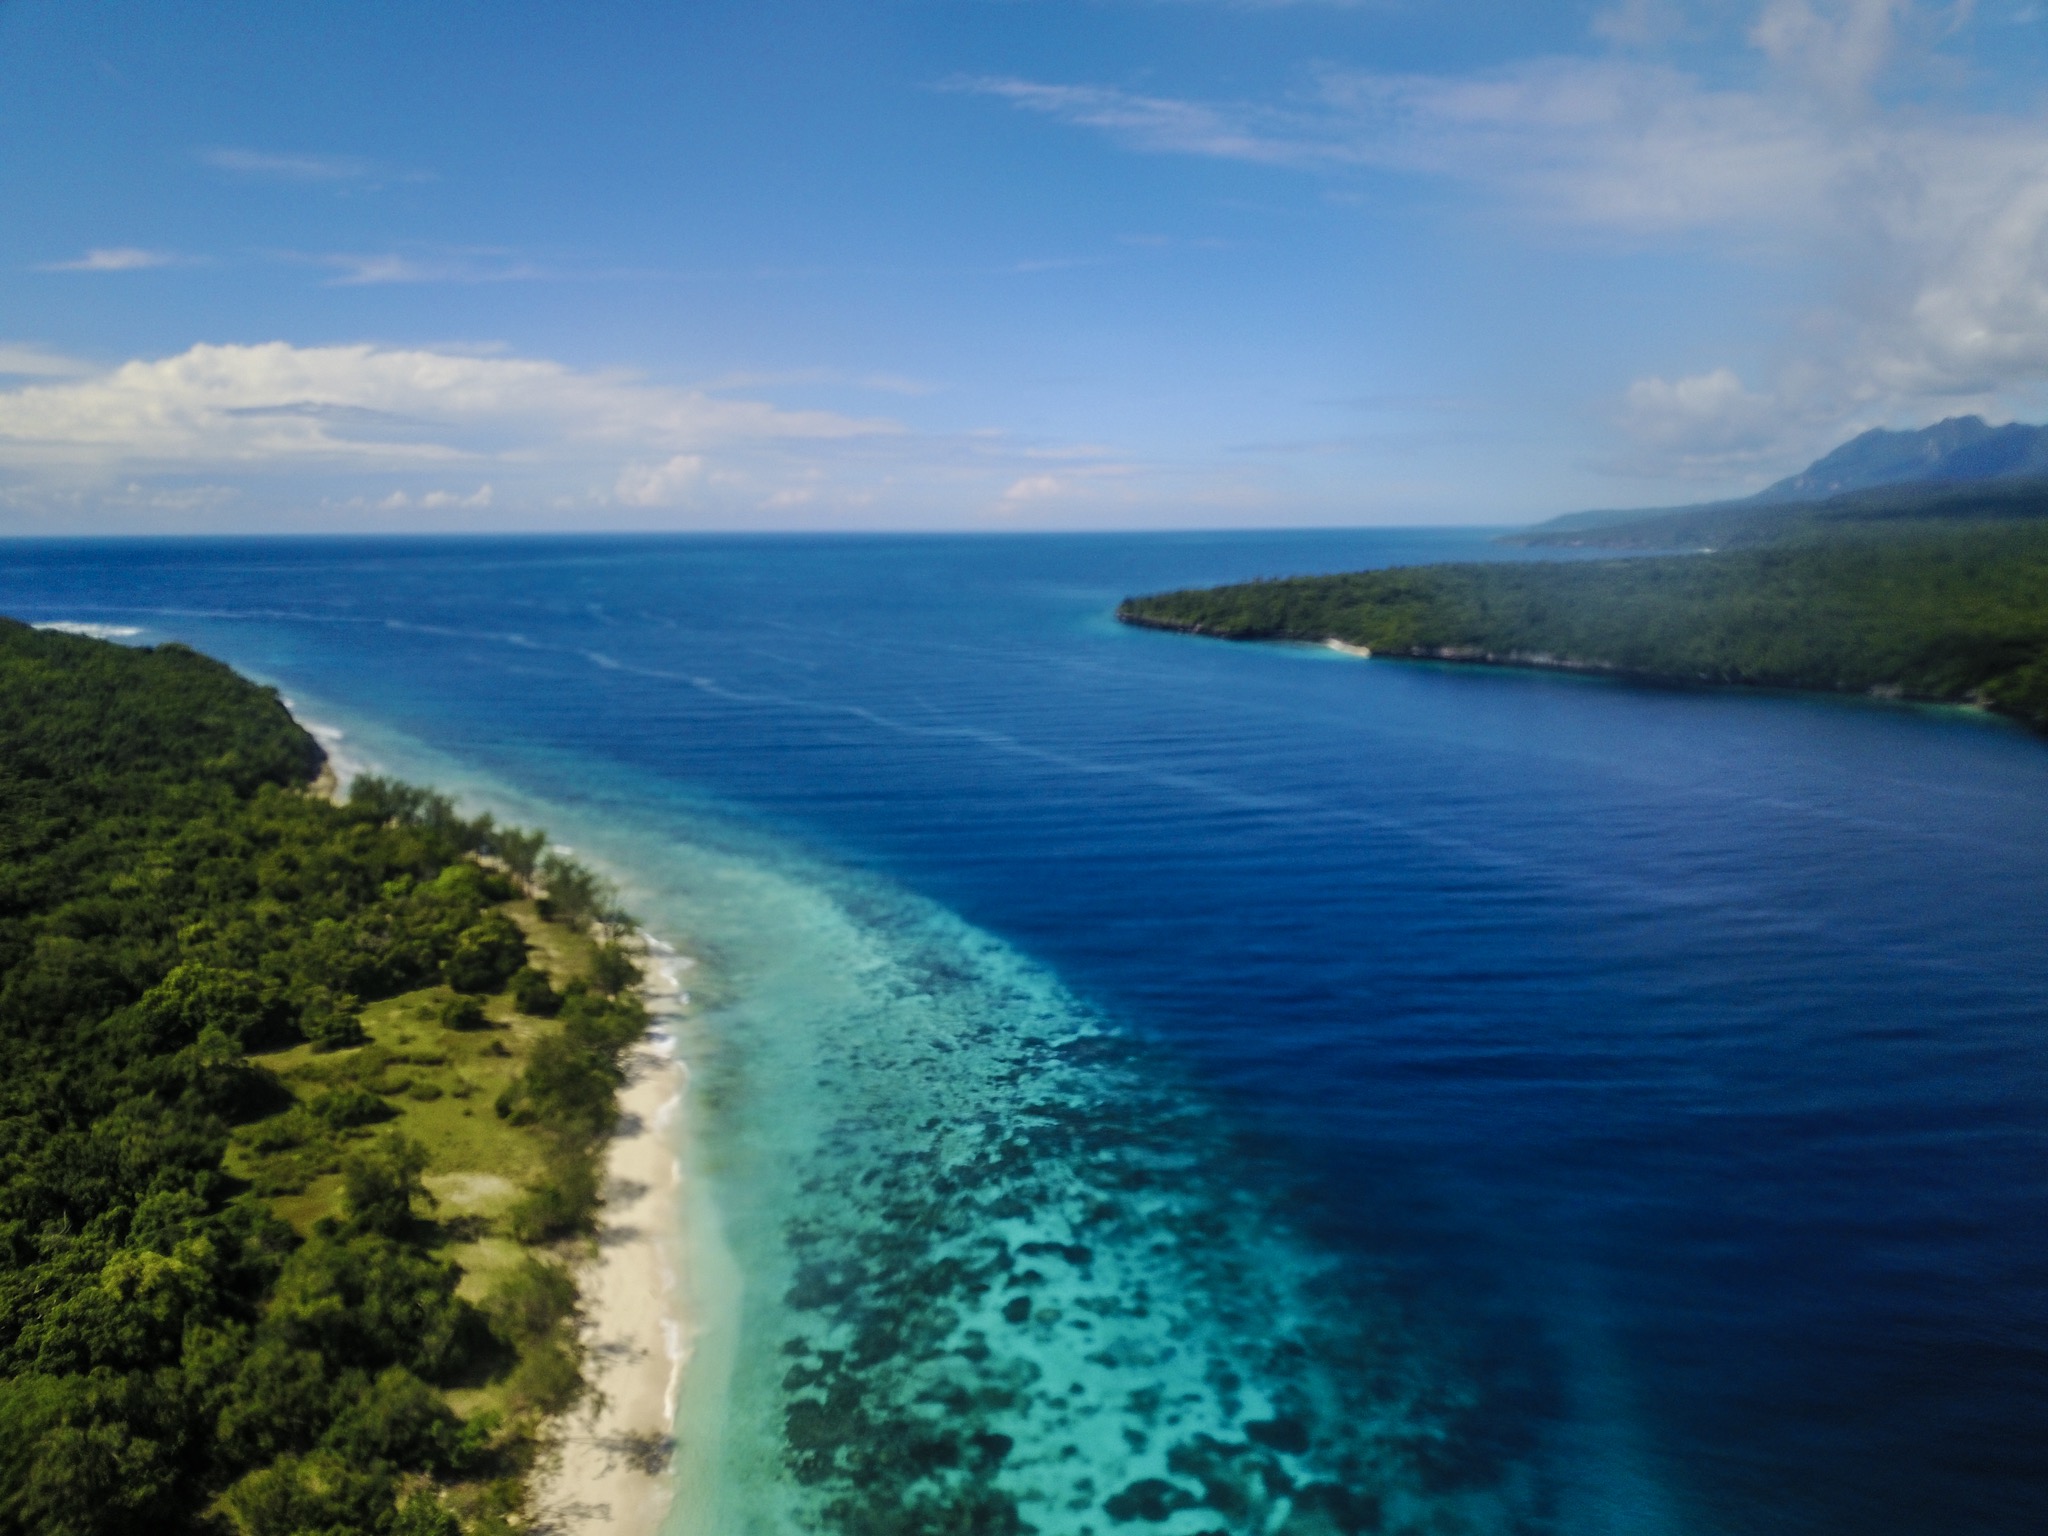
(611, 1477)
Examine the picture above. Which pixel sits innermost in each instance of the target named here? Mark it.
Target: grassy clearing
(438, 1087)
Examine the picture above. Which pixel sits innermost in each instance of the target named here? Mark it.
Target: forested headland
(1939, 608)
(300, 1112)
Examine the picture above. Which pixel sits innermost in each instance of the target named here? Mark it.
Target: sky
(996, 264)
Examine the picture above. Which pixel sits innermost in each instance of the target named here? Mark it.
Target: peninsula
(1915, 590)
(303, 1112)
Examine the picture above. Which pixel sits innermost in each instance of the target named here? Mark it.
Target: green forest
(245, 1035)
(1922, 609)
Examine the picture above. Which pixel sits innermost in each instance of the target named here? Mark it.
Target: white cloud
(1925, 224)
(276, 405)
(1705, 424)
(1607, 144)
(276, 436)
(659, 485)
(1838, 48)
(429, 501)
(119, 258)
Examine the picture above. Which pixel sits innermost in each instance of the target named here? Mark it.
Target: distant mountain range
(1961, 467)
(1960, 448)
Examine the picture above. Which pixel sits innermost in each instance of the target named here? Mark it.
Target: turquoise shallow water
(1154, 1085)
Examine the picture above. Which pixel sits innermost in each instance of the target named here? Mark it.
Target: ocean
(1147, 1084)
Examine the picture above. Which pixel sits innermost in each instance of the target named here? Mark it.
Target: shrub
(613, 970)
(379, 1186)
(297, 1496)
(330, 1020)
(531, 1301)
(562, 1203)
(424, 1515)
(280, 1133)
(341, 1108)
(549, 1377)
(565, 1086)
(575, 895)
(461, 1012)
(531, 994)
(520, 848)
(486, 954)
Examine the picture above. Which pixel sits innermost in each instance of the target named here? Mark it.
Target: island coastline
(608, 1468)
(611, 1469)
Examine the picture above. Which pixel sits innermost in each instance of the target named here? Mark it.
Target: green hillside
(1925, 610)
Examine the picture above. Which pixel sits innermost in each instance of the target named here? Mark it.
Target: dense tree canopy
(173, 1357)
(1927, 610)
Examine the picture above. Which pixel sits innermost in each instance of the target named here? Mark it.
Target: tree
(461, 1012)
(575, 895)
(486, 954)
(613, 970)
(331, 1019)
(520, 848)
(379, 1186)
(532, 994)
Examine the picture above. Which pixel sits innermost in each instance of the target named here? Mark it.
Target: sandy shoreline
(614, 1469)
(611, 1476)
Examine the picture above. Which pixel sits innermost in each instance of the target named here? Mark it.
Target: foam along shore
(611, 1472)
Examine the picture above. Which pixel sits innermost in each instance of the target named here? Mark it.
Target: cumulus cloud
(276, 405)
(370, 429)
(1928, 222)
(274, 435)
(1705, 424)
(118, 258)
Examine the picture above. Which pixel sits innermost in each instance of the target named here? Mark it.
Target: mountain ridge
(1957, 448)
(1959, 467)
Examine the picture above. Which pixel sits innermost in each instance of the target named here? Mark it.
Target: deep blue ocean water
(1532, 1102)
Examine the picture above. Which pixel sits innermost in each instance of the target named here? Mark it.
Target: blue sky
(996, 263)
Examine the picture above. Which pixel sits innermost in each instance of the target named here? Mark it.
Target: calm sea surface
(1160, 1085)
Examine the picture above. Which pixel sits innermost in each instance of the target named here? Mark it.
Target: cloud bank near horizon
(410, 437)
(1303, 263)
